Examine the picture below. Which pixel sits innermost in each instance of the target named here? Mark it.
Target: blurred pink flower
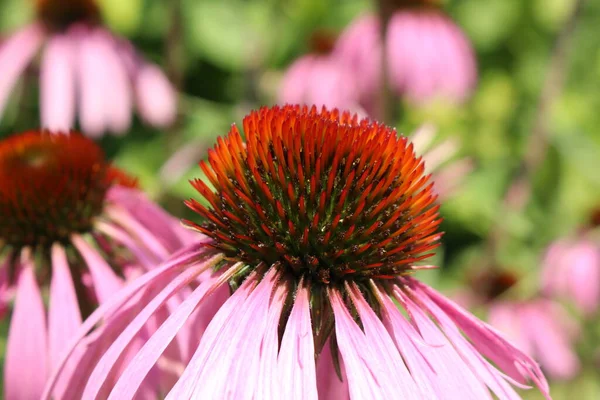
(85, 68)
(76, 227)
(320, 80)
(542, 329)
(428, 56)
(298, 285)
(571, 270)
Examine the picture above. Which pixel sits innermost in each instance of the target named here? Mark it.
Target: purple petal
(155, 277)
(383, 348)
(111, 357)
(156, 98)
(367, 379)
(488, 341)
(57, 84)
(26, 365)
(64, 317)
(106, 282)
(15, 54)
(140, 365)
(296, 361)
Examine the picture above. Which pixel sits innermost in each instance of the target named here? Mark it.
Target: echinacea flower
(316, 222)
(318, 78)
(541, 328)
(84, 67)
(427, 55)
(571, 270)
(75, 227)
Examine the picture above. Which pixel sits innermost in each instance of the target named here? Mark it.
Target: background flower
(85, 68)
(76, 227)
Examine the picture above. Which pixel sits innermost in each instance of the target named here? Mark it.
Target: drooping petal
(110, 358)
(488, 341)
(57, 84)
(216, 330)
(296, 362)
(64, 316)
(122, 217)
(26, 364)
(329, 384)
(233, 367)
(383, 347)
(367, 379)
(93, 81)
(153, 278)
(118, 97)
(133, 376)
(545, 329)
(155, 96)
(106, 282)
(481, 367)
(15, 54)
(451, 374)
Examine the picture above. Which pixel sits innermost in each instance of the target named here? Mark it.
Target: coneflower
(71, 224)
(85, 67)
(427, 54)
(317, 222)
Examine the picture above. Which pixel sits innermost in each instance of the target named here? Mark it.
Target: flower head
(319, 78)
(85, 68)
(317, 221)
(427, 55)
(73, 223)
(59, 14)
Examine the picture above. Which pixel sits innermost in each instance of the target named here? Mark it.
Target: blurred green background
(227, 57)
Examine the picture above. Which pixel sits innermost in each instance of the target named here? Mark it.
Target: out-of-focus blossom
(440, 160)
(85, 70)
(316, 221)
(427, 54)
(542, 329)
(320, 79)
(571, 270)
(76, 227)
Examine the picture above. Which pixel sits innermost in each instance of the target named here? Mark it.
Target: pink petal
(57, 84)
(106, 282)
(64, 317)
(410, 345)
(133, 376)
(233, 366)
(329, 385)
(93, 82)
(551, 342)
(482, 368)
(122, 217)
(489, 341)
(216, 330)
(156, 98)
(451, 373)
(118, 97)
(15, 54)
(154, 277)
(26, 365)
(296, 361)
(110, 358)
(383, 348)
(584, 279)
(367, 379)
